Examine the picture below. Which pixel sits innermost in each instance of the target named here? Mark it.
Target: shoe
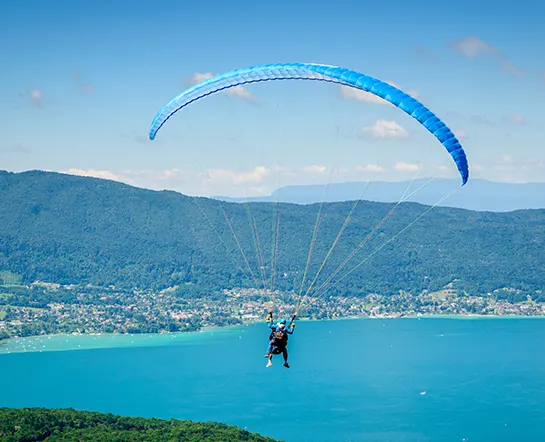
(268, 355)
(269, 364)
(286, 365)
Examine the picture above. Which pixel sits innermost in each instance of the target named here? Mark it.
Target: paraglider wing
(319, 72)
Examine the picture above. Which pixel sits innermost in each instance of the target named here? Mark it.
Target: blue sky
(81, 81)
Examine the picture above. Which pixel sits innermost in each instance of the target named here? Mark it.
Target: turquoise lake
(377, 380)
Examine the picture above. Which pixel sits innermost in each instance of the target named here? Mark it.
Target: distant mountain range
(480, 195)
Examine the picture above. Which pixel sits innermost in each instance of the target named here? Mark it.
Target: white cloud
(473, 47)
(386, 129)
(406, 167)
(256, 175)
(370, 168)
(169, 173)
(461, 134)
(262, 180)
(105, 174)
(197, 77)
(159, 179)
(35, 95)
(358, 94)
(239, 91)
(510, 68)
(314, 169)
(523, 168)
(283, 171)
(235, 91)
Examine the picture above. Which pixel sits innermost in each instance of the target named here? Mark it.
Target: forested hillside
(69, 229)
(41, 424)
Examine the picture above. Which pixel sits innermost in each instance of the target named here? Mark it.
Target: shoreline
(29, 344)
(124, 340)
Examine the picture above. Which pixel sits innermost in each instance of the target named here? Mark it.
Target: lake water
(354, 380)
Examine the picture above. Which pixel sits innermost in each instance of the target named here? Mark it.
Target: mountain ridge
(477, 194)
(65, 228)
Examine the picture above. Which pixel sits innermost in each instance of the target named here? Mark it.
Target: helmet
(282, 321)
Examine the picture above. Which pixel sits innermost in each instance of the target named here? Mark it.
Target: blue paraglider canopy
(319, 72)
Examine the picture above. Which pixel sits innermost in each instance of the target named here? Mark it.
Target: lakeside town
(45, 308)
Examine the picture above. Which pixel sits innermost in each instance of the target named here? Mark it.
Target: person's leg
(269, 349)
(285, 354)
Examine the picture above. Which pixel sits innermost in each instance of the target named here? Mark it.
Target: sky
(81, 82)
